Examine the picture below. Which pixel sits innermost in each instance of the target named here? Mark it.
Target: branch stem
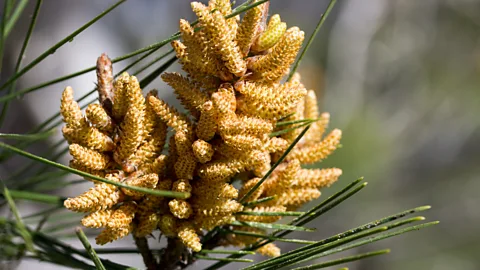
(148, 259)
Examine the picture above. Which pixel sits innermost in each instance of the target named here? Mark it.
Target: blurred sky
(401, 78)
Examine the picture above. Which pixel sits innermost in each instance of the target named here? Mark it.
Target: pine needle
(93, 255)
(292, 122)
(20, 57)
(222, 259)
(271, 226)
(14, 17)
(286, 130)
(313, 213)
(302, 253)
(271, 214)
(46, 212)
(262, 200)
(164, 193)
(27, 237)
(279, 239)
(274, 166)
(344, 260)
(154, 61)
(156, 73)
(28, 137)
(321, 249)
(223, 251)
(376, 238)
(37, 197)
(62, 42)
(312, 37)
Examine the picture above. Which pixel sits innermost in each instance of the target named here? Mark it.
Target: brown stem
(148, 259)
(176, 255)
(214, 241)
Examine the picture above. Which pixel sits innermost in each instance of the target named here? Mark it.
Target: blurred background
(401, 78)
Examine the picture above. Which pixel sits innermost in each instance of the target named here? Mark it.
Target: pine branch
(174, 255)
(143, 248)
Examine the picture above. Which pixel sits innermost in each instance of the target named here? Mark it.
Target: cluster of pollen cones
(218, 150)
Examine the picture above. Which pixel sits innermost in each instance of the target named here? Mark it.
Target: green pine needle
(377, 238)
(55, 47)
(262, 200)
(61, 227)
(45, 212)
(21, 55)
(271, 214)
(154, 61)
(372, 225)
(164, 193)
(321, 249)
(14, 18)
(307, 252)
(154, 75)
(280, 160)
(6, 6)
(93, 255)
(312, 37)
(283, 118)
(292, 122)
(222, 251)
(286, 130)
(37, 197)
(28, 137)
(271, 226)
(263, 236)
(40, 179)
(27, 237)
(330, 248)
(307, 217)
(245, 7)
(222, 259)
(344, 260)
(301, 219)
(53, 244)
(118, 251)
(59, 218)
